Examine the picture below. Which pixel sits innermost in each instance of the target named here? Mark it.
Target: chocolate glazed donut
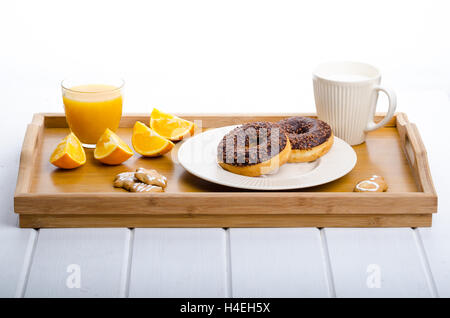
(310, 138)
(254, 149)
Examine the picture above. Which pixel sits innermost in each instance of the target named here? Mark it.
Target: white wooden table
(292, 262)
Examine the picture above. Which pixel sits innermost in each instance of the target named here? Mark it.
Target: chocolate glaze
(305, 133)
(251, 143)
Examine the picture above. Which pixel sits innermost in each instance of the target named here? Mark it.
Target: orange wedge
(149, 143)
(112, 150)
(171, 126)
(69, 153)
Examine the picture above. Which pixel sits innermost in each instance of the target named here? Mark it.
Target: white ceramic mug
(346, 95)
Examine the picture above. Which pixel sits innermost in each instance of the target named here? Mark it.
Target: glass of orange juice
(91, 106)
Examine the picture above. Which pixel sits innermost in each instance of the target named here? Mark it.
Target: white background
(217, 56)
(244, 56)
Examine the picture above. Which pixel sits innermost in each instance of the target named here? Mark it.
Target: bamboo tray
(48, 197)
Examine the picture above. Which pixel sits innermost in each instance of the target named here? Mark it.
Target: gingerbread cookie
(151, 177)
(129, 182)
(373, 184)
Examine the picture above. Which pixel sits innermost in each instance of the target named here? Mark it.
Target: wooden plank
(434, 241)
(178, 263)
(437, 253)
(16, 252)
(99, 257)
(376, 263)
(232, 220)
(277, 263)
(16, 245)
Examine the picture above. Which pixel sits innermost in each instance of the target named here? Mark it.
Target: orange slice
(112, 150)
(69, 153)
(171, 126)
(149, 143)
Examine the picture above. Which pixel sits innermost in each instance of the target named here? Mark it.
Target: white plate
(198, 156)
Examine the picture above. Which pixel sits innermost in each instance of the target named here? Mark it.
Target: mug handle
(392, 106)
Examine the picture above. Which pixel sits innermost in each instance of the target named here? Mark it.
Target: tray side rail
(28, 154)
(416, 153)
(224, 203)
(209, 120)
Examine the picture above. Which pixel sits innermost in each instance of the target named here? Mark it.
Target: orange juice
(92, 108)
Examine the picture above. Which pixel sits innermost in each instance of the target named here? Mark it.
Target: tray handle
(415, 152)
(28, 154)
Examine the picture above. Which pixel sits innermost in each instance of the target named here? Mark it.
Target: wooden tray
(84, 197)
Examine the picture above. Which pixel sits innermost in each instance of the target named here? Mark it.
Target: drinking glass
(92, 105)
